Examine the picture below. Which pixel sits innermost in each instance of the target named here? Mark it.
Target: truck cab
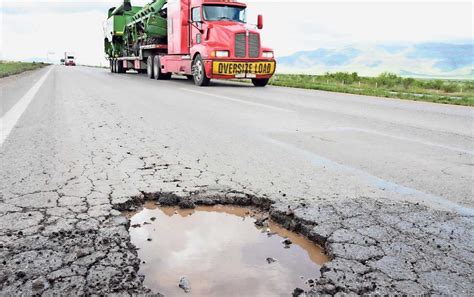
(69, 59)
(200, 39)
(216, 42)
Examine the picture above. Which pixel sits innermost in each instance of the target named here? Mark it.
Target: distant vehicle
(62, 61)
(201, 39)
(69, 59)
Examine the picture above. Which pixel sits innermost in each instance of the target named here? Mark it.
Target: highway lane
(303, 143)
(91, 144)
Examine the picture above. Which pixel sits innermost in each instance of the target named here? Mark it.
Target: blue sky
(31, 28)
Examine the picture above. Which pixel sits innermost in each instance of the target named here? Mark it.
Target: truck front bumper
(231, 69)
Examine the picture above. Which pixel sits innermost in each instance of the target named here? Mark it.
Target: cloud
(48, 7)
(59, 6)
(298, 25)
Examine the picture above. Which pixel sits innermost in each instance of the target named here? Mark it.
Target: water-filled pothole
(221, 252)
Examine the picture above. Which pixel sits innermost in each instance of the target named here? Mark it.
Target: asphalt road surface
(386, 185)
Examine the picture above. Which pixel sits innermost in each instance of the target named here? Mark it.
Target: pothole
(221, 251)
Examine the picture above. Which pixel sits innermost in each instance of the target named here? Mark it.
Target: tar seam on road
(237, 100)
(9, 119)
(375, 181)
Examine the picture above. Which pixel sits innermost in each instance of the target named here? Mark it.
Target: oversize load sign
(233, 68)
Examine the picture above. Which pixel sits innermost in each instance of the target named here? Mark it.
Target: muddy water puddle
(221, 252)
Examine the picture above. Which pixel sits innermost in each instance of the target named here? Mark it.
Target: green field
(12, 68)
(388, 85)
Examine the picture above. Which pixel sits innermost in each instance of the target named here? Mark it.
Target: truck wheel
(199, 73)
(120, 68)
(260, 82)
(111, 65)
(149, 67)
(157, 70)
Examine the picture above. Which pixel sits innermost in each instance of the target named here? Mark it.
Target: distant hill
(444, 60)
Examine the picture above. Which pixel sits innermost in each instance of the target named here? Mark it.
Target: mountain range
(429, 59)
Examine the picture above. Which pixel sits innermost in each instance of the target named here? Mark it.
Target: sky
(37, 29)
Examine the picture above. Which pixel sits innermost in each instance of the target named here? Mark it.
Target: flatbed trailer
(137, 63)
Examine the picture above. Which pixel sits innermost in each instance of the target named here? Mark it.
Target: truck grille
(240, 45)
(254, 45)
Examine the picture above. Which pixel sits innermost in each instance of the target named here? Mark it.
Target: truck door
(196, 27)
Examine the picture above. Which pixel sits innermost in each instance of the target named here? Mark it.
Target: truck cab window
(224, 13)
(196, 14)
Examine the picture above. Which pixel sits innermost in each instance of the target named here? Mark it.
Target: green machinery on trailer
(130, 27)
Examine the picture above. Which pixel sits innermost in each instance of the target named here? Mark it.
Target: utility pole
(47, 56)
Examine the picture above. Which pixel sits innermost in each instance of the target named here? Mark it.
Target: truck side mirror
(260, 22)
(197, 25)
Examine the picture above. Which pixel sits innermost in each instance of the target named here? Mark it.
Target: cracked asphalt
(384, 185)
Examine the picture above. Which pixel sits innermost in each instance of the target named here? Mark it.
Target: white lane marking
(237, 100)
(9, 119)
(428, 143)
(375, 181)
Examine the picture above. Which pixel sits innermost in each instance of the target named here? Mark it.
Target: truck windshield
(224, 12)
(70, 57)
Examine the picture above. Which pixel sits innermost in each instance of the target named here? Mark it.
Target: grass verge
(385, 85)
(12, 68)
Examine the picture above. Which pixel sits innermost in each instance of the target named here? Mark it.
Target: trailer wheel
(262, 82)
(157, 70)
(120, 68)
(199, 73)
(149, 67)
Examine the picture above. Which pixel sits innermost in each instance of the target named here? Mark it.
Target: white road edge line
(237, 100)
(10, 118)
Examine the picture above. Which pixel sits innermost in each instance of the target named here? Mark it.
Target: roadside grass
(12, 68)
(457, 92)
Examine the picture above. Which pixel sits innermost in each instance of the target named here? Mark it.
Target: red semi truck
(206, 39)
(69, 59)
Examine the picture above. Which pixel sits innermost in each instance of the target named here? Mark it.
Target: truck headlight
(267, 54)
(222, 54)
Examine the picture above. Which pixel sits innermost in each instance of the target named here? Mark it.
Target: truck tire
(120, 68)
(260, 82)
(111, 65)
(149, 67)
(199, 72)
(157, 70)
